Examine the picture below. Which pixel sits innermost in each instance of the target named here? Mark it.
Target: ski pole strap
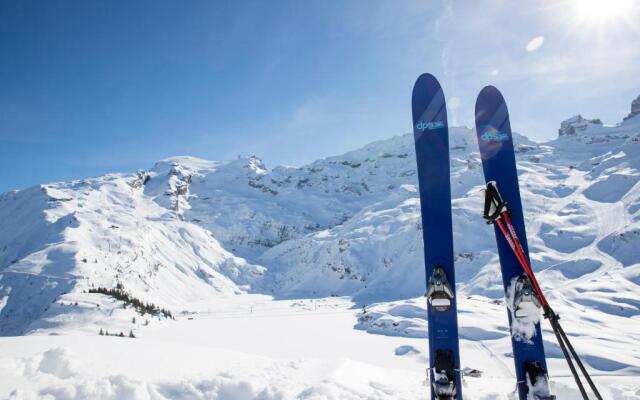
(493, 203)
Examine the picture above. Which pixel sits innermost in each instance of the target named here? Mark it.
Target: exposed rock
(178, 185)
(141, 179)
(576, 124)
(635, 108)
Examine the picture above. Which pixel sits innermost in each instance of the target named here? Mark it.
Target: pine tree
(131, 335)
(101, 332)
(133, 320)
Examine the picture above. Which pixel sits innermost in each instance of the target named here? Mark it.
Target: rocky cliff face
(635, 108)
(577, 124)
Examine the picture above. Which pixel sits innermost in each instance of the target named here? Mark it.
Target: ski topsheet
(432, 155)
(498, 162)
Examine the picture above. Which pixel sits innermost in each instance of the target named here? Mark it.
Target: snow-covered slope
(188, 229)
(581, 203)
(70, 237)
(197, 236)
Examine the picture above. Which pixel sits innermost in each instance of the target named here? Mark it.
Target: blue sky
(88, 87)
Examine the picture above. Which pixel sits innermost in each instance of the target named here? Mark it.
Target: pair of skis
(523, 293)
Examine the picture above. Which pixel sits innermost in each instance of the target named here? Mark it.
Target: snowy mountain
(252, 263)
(74, 236)
(189, 229)
(581, 203)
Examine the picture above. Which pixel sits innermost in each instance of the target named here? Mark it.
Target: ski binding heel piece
(524, 298)
(537, 382)
(439, 293)
(444, 384)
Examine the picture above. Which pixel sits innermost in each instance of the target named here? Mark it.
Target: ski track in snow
(320, 242)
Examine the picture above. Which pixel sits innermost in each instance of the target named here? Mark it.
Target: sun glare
(599, 11)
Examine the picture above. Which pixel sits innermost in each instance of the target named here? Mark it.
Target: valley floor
(254, 347)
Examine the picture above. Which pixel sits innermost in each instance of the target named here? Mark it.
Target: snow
(486, 345)
(539, 389)
(523, 323)
(307, 282)
(195, 358)
(254, 347)
(91, 233)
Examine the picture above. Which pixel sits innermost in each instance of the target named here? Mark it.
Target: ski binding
(524, 297)
(537, 382)
(439, 292)
(444, 384)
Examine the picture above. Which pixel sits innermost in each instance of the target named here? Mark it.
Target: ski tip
(428, 106)
(489, 94)
(427, 78)
(490, 104)
(426, 83)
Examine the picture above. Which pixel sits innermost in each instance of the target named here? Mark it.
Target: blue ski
(503, 208)
(430, 130)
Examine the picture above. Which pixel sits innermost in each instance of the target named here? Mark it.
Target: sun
(602, 11)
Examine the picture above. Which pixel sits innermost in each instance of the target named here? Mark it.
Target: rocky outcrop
(576, 124)
(141, 179)
(635, 108)
(178, 187)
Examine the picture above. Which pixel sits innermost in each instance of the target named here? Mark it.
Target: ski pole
(561, 336)
(567, 357)
(523, 259)
(577, 358)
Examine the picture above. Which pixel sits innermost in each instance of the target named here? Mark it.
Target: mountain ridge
(345, 225)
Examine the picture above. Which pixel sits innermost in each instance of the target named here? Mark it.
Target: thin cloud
(535, 43)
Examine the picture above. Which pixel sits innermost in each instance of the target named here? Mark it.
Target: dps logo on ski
(491, 134)
(431, 125)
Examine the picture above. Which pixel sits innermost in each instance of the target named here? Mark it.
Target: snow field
(203, 238)
(254, 347)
